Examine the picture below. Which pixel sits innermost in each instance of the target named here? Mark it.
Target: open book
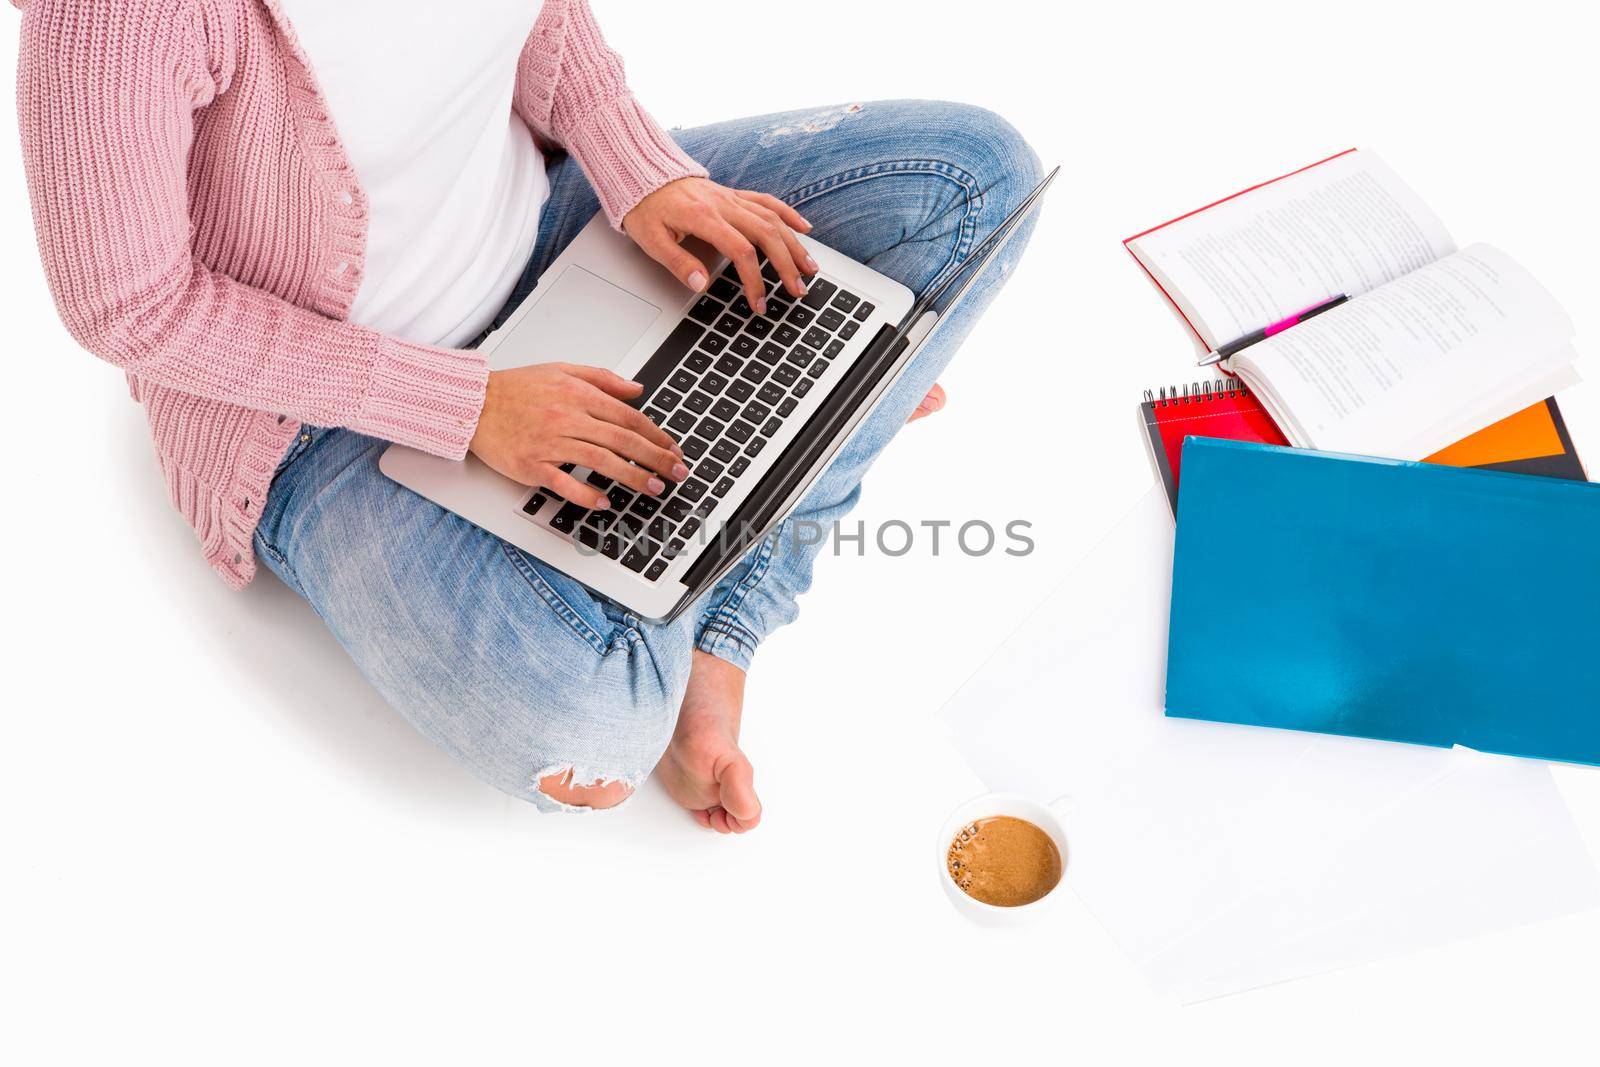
(1434, 343)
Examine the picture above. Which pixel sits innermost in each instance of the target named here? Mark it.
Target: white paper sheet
(1226, 857)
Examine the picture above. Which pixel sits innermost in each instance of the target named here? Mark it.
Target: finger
(630, 418)
(614, 467)
(565, 485)
(658, 244)
(607, 381)
(788, 214)
(767, 230)
(630, 445)
(702, 818)
(719, 820)
(725, 238)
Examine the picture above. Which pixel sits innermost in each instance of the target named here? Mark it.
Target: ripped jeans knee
(569, 790)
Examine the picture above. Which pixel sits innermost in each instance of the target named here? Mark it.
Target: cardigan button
(340, 267)
(345, 198)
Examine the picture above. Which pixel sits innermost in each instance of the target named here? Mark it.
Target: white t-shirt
(420, 92)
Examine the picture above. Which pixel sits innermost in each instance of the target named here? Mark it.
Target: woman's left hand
(736, 222)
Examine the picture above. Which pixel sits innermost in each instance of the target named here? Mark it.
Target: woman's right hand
(536, 418)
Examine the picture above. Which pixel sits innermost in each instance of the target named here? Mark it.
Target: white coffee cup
(1046, 817)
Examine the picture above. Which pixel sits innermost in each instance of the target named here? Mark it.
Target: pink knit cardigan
(201, 228)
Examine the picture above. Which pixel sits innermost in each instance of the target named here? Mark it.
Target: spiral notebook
(1532, 441)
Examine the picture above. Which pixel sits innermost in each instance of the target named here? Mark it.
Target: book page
(1408, 368)
(1345, 226)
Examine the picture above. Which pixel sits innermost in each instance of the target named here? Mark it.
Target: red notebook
(1222, 408)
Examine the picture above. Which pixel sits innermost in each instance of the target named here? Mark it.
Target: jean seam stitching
(965, 181)
(556, 602)
(725, 614)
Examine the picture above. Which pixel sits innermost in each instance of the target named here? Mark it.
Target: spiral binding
(1196, 392)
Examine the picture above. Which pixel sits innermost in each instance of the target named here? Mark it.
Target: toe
(736, 784)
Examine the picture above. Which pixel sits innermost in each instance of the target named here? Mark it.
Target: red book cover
(1222, 409)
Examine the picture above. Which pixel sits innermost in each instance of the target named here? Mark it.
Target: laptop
(760, 404)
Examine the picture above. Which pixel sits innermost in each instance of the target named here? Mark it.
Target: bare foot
(930, 403)
(703, 768)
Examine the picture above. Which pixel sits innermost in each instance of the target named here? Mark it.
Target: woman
(289, 222)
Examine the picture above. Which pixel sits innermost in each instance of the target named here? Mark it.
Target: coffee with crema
(1004, 861)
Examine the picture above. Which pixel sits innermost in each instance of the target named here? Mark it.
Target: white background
(219, 845)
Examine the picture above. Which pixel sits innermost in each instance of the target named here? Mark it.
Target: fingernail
(679, 472)
(805, 222)
(761, 306)
(604, 505)
(811, 265)
(656, 486)
(697, 281)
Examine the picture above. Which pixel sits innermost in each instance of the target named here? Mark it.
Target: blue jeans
(513, 668)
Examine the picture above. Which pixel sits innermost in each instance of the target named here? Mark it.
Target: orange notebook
(1532, 441)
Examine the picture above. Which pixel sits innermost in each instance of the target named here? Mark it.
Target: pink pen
(1227, 350)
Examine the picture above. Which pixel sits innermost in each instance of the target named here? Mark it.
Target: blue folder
(1377, 598)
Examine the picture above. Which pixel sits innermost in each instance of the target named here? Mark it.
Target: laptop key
(786, 408)
(741, 390)
(815, 338)
(729, 324)
(611, 546)
(848, 330)
(709, 428)
(802, 387)
(598, 480)
(692, 490)
(713, 383)
(863, 309)
(771, 394)
(834, 348)
(567, 519)
(688, 529)
(817, 368)
(769, 353)
(645, 506)
(681, 381)
(535, 502)
(786, 335)
(638, 555)
(800, 355)
(588, 537)
(724, 451)
(693, 448)
(655, 415)
(705, 507)
(723, 289)
(739, 466)
(753, 371)
(713, 342)
(722, 488)
(655, 570)
(705, 310)
(724, 409)
(666, 399)
(817, 296)
(830, 319)
(758, 327)
(755, 446)
(709, 470)
(729, 364)
(697, 402)
(681, 421)
(786, 374)
(799, 316)
(740, 431)
(756, 411)
(674, 549)
(741, 307)
(844, 300)
(658, 530)
(744, 345)
(675, 509)
(772, 426)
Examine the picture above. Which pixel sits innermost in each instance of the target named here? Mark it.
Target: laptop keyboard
(722, 383)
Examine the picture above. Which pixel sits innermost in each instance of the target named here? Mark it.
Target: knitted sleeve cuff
(627, 155)
(425, 397)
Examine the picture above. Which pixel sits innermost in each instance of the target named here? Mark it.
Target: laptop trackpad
(580, 318)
